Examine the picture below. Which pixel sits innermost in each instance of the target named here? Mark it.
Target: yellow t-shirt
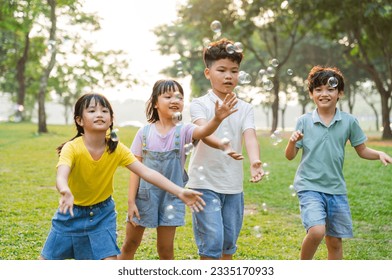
(91, 181)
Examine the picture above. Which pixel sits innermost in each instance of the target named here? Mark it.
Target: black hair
(81, 104)
(159, 88)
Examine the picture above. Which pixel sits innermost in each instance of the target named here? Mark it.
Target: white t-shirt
(211, 168)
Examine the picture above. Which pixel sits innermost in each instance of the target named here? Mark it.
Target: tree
(364, 28)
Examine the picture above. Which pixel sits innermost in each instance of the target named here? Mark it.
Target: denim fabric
(89, 235)
(217, 227)
(157, 207)
(333, 211)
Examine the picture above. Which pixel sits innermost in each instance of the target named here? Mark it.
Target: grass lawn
(272, 227)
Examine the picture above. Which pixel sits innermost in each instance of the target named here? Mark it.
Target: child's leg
(335, 247)
(311, 241)
(133, 238)
(165, 242)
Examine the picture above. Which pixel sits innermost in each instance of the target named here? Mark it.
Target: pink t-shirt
(162, 143)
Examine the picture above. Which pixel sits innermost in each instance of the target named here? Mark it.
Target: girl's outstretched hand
(133, 211)
(192, 199)
(66, 203)
(227, 107)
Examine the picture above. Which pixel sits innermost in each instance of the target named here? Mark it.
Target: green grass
(29, 199)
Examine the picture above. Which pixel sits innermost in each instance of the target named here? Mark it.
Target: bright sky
(127, 25)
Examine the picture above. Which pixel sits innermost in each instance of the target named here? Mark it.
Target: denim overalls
(156, 206)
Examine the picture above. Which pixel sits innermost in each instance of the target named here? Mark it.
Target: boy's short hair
(319, 75)
(217, 50)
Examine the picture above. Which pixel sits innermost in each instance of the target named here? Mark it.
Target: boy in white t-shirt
(212, 172)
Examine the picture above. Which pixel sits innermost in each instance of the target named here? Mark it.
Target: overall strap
(146, 130)
(177, 140)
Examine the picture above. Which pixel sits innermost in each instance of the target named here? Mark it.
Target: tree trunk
(275, 105)
(42, 128)
(20, 77)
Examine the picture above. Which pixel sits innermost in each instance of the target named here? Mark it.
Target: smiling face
(325, 96)
(95, 117)
(169, 102)
(223, 76)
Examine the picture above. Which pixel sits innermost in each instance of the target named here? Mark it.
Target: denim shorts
(159, 208)
(333, 211)
(89, 235)
(217, 227)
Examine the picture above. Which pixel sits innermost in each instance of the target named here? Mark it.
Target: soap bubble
(113, 135)
(333, 82)
(216, 26)
(188, 148)
(170, 212)
(177, 118)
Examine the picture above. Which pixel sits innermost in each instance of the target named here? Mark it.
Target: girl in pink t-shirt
(163, 145)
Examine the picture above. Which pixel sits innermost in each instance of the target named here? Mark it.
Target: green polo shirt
(321, 166)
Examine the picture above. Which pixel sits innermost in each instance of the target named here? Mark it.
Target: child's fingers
(71, 211)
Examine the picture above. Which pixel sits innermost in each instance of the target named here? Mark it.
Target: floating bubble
(178, 96)
(270, 71)
(291, 188)
(261, 73)
(257, 231)
(188, 148)
(274, 62)
(177, 118)
(216, 26)
(226, 144)
(267, 84)
(266, 170)
(276, 137)
(113, 135)
(333, 82)
(216, 204)
(238, 47)
(200, 173)
(244, 78)
(290, 72)
(206, 42)
(230, 48)
(179, 65)
(264, 206)
(170, 212)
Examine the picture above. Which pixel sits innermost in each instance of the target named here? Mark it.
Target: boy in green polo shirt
(319, 180)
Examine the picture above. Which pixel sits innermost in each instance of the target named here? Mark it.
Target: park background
(51, 52)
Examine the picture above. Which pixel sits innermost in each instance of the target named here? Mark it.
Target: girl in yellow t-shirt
(84, 225)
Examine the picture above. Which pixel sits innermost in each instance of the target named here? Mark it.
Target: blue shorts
(158, 208)
(217, 227)
(89, 235)
(333, 211)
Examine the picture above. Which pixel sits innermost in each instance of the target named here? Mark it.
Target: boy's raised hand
(296, 136)
(192, 199)
(227, 107)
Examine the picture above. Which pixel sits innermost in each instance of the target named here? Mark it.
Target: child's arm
(134, 181)
(189, 197)
(221, 112)
(291, 149)
(368, 153)
(67, 199)
(253, 151)
(216, 143)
